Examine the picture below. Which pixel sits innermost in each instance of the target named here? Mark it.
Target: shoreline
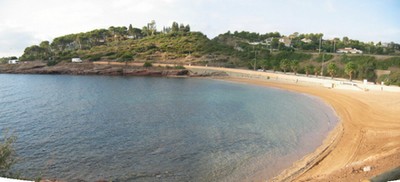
(340, 157)
(306, 162)
(114, 69)
(366, 135)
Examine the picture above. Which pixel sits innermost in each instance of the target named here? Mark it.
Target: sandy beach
(368, 134)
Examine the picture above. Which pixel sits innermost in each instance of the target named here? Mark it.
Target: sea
(89, 128)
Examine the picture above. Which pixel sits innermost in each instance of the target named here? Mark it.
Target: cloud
(14, 41)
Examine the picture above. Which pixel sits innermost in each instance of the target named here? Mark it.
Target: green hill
(178, 45)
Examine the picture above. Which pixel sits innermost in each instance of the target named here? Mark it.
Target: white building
(13, 61)
(286, 41)
(305, 40)
(349, 50)
(76, 60)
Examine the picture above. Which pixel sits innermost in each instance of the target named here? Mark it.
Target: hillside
(179, 45)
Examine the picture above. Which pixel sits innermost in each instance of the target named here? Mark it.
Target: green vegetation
(121, 44)
(332, 69)
(147, 64)
(324, 57)
(285, 65)
(177, 44)
(391, 79)
(179, 67)
(4, 60)
(350, 68)
(388, 63)
(7, 155)
(309, 69)
(294, 65)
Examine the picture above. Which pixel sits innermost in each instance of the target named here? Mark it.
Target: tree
(146, 31)
(350, 68)
(152, 27)
(366, 66)
(175, 27)
(166, 30)
(33, 53)
(317, 70)
(78, 40)
(265, 64)
(332, 69)
(275, 43)
(44, 45)
(137, 33)
(7, 155)
(285, 65)
(309, 69)
(294, 65)
(130, 29)
(126, 57)
(345, 40)
(182, 27)
(187, 28)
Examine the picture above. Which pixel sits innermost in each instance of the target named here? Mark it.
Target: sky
(28, 22)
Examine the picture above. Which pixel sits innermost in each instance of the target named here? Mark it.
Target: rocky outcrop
(90, 69)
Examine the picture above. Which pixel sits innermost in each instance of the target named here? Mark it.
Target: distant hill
(302, 53)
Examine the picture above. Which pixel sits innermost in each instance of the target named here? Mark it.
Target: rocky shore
(90, 69)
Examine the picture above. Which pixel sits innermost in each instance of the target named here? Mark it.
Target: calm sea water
(156, 129)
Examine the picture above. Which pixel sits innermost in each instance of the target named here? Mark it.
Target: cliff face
(89, 69)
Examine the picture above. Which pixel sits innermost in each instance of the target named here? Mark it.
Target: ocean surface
(156, 129)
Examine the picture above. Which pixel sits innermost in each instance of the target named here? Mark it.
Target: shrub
(383, 78)
(179, 67)
(95, 57)
(390, 62)
(325, 57)
(394, 78)
(292, 55)
(147, 64)
(52, 62)
(7, 155)
(127, 56)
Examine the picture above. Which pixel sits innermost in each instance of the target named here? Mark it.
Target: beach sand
(368, 134)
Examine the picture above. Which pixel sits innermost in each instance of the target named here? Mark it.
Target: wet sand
(368, 135)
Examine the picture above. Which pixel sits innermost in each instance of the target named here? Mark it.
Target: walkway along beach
(365, 143)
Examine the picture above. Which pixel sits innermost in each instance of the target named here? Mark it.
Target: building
(305, 40)
(76, 60)
(349, 50)
(269, 40)
(385, 44)
(13, 61)
(286, 40)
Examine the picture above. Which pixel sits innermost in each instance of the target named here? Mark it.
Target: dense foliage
(7, 155)
(302, 53)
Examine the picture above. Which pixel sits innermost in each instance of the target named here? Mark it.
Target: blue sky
(26, 22)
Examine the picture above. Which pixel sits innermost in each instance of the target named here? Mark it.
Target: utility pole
(255, 58)
(319, 52)
(320, 40)
(334, 46)
(322, 64)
